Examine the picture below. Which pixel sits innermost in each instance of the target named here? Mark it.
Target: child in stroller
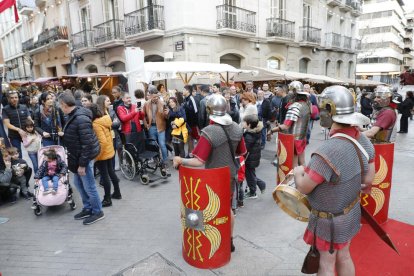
(52, 168)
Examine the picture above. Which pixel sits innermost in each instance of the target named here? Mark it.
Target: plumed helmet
(216, 108)
(383, 92)
(297, 87)
(336, 103)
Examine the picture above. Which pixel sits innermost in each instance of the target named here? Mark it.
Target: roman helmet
(382, 96)
(216, 108)
(297, 88)
(336, 104)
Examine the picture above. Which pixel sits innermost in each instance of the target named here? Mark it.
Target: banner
(285, 153)
(205, 216)
(378, 202)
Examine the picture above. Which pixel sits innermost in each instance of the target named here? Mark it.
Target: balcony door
(85, 25)
(278, 9)
(230, 14)
(307, 15)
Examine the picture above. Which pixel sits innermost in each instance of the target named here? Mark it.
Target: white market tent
(185, 70)
(273, 74)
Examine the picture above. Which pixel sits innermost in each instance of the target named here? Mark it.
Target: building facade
(320, 38)
(387, 41)
(310, 36)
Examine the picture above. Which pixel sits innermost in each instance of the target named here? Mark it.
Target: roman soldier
(382, 128)
(296, 121)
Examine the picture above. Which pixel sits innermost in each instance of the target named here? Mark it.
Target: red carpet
(372, 256)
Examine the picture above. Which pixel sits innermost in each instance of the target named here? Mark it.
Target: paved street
(143, 229)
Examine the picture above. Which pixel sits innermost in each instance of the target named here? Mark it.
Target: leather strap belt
(326, 215)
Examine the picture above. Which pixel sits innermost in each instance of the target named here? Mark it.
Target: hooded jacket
(102, 128)
(80, 139)
(253, 141)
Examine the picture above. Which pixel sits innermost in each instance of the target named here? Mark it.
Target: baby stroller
(64, 192)
(133, 163)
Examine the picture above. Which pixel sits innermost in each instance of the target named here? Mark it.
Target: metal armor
(300, 127)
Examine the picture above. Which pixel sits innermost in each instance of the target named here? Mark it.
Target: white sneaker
(46, 192)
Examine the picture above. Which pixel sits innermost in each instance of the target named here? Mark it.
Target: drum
(290, 200)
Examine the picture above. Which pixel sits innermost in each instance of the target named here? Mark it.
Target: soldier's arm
(191, 162)
(370, 133)
(303, 182)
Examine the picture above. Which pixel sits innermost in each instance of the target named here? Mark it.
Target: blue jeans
(87, 189)
(55, 180)
(33, 157)
(17, 143)
(48, 142)
(160, 137)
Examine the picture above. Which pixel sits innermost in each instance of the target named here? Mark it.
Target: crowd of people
(208, 126)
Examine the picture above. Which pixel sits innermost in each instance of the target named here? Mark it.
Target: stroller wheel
(164, 173)
(37, 211)
(72, 205)
(144, 179)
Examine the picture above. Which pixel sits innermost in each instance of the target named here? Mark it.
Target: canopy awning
(185, 70)
(360, 82)
(94, 75)
(44, 80)
(273, 74)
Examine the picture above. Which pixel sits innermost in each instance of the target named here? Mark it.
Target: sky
(409, 5)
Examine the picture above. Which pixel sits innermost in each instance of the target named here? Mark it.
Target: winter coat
(253, 141)
(366, 107)
(102, 128)
(234, 111)
(50, 124)
(179, 119)
(405, 107)
(80, 139)
(191, 111)
(160, 118)
(129, 115)
(17, 116)
(61, 168)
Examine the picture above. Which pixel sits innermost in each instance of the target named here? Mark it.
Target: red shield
(205, 216)
(285, 152)
(378, 202)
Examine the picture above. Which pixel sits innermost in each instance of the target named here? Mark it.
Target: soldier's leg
(327, 263)
(344, 263)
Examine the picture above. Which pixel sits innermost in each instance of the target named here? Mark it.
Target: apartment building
(314, 36)
(387, 41)
(311, 36)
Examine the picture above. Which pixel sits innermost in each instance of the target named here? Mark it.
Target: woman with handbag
(338, 171)
(177, 120)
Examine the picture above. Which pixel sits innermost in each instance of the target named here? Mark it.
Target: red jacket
(126, 116)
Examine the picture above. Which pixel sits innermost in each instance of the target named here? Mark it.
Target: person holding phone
(130, 115)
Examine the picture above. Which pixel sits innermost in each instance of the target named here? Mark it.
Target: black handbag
(311, 262)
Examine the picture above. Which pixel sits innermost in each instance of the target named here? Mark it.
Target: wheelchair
(133, 163)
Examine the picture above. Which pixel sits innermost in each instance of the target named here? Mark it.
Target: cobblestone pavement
(141, 234)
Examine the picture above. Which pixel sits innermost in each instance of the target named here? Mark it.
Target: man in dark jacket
(264, 111)
(14, 118)
(82, 147)
(191, 113)
(202, 113)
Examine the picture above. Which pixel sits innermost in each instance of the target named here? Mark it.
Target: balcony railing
(236, 18)
(310, 34)
(50, 35)
(145, 19)
(83, 39)
(347, 42)
(28, 45)
(356, 44)
(333, 40)
(280, 28)
(108, 31)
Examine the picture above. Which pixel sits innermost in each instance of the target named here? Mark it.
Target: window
(350, 69)
(278, 9)
(307, 15)
(339, 69)
(273, 63)
(230, 13)
(327, 64)
(303, 65)
(85, 19)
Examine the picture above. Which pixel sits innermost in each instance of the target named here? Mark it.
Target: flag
(5, 4)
